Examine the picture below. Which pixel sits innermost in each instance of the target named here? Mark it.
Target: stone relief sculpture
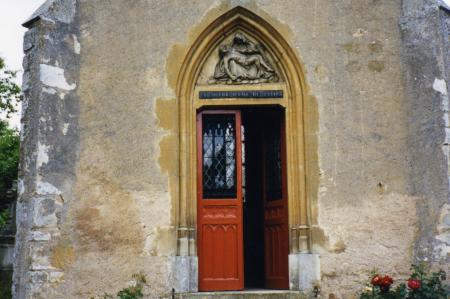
(243, 62)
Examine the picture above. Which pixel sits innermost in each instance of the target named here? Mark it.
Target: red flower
(414, 284)
(376, 280)
(386, 281)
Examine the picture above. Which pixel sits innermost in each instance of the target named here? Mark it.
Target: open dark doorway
(262, 181)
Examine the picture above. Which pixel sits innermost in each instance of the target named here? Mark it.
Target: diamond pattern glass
(273, 164)
(219, 156)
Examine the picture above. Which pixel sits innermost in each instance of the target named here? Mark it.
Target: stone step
(247, 294)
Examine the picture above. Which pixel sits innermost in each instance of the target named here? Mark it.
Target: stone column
(49, 143)
(425, 48)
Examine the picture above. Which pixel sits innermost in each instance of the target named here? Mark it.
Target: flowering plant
(414, 284)
(420, 285)
(379, 287)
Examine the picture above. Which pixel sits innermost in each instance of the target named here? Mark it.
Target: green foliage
(375, 293)
(431, 284)
(5, 286)
(421, 285)
(9, 151)
(131, 293)
(376, 289)
(4, 216)
(9, 159)
(135, 291)
(9, 91)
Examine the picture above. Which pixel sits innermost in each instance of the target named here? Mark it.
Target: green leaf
(9, 159)
(10, 94)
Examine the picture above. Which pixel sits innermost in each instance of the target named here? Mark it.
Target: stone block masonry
(48, 150)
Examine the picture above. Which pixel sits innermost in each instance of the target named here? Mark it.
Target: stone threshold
(245, 294)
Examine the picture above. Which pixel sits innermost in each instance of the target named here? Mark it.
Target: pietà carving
(243, 62)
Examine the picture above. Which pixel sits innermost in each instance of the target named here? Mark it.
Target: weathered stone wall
(99, 165)
(424, 26)
(49, 144)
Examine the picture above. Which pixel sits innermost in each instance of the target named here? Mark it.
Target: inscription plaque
(241, 94)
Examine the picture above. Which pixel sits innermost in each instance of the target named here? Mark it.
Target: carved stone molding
(282, 64)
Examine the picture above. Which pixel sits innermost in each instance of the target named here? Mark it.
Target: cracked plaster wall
(99, 151)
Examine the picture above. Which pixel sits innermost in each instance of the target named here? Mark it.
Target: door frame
(270, 283)
(301, 120)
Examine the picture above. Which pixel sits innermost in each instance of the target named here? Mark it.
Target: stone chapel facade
(232, 144)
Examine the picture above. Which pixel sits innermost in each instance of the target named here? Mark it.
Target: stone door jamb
(294, 103)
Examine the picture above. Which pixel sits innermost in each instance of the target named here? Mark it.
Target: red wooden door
(276, 237)
(219, 207)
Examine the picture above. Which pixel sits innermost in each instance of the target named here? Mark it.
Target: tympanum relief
(242, 61)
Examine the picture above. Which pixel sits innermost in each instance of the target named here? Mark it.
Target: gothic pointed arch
(192, 78)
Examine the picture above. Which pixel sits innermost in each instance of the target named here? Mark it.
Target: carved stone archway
(295, 90)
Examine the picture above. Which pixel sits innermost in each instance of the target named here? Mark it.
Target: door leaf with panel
(219, 188)
(276, 237)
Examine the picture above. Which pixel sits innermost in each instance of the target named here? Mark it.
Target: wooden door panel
(219, 208)
(276, 234)
(219, 237)
(275, 256)
(220, 213)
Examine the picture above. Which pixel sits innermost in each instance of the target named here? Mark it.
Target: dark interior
(254, 121)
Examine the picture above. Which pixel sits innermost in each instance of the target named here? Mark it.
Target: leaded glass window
(219, 156)
(273, 173)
